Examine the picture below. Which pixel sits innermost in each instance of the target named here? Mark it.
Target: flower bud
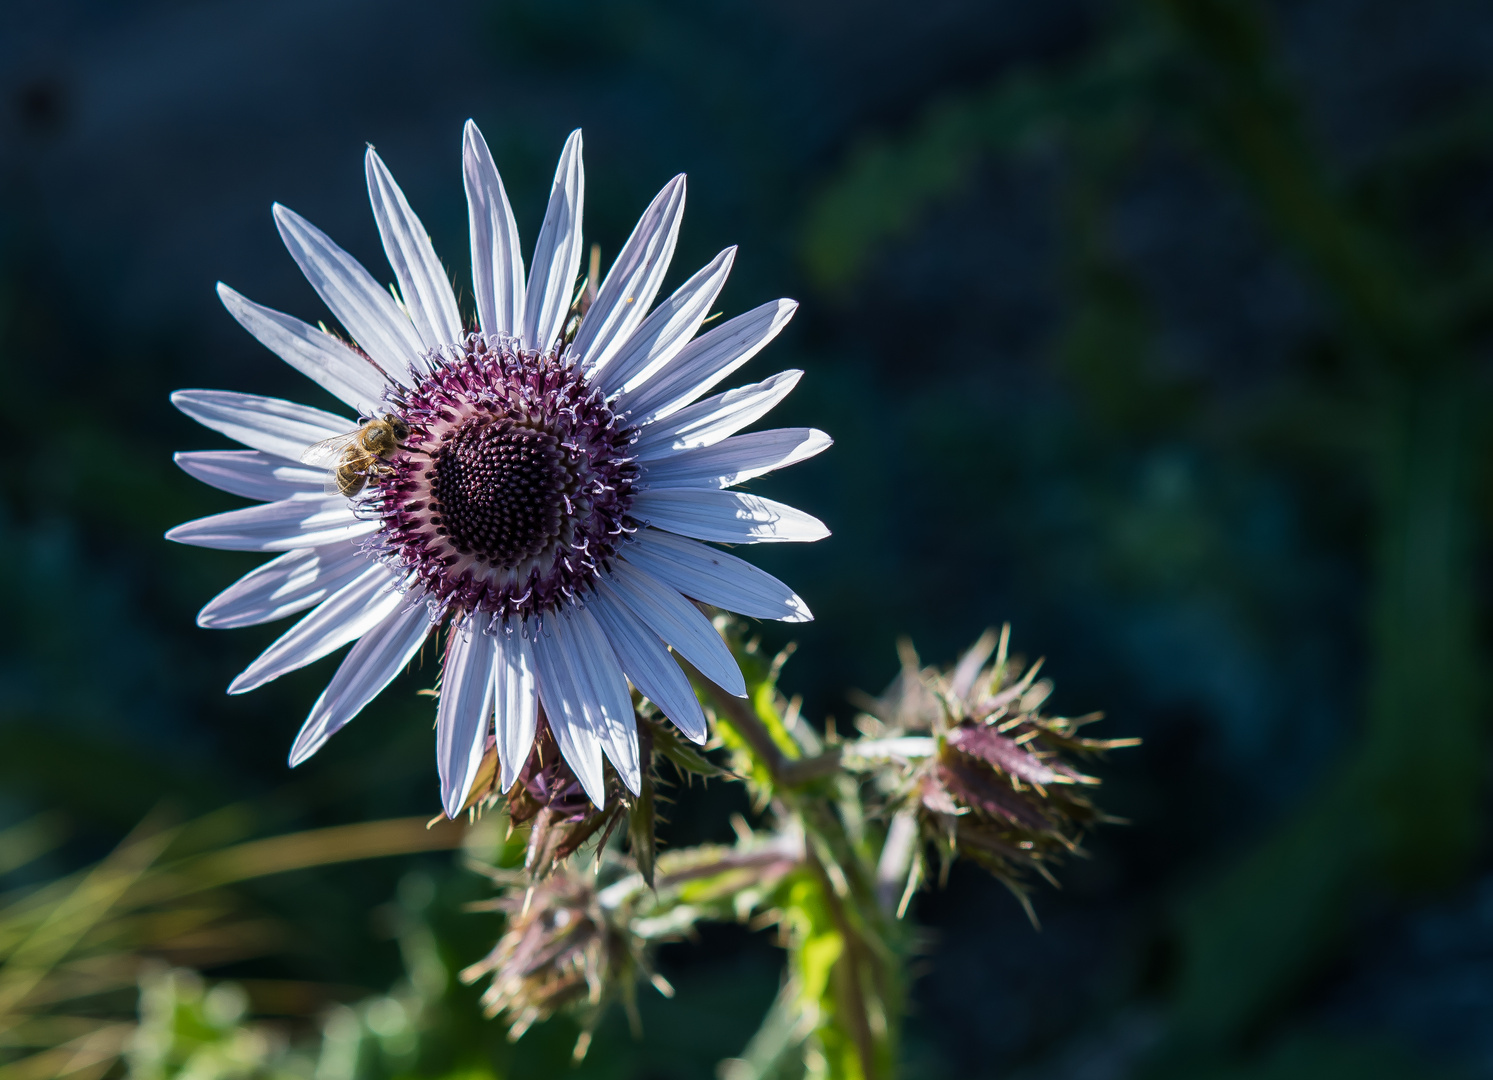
(998, 781)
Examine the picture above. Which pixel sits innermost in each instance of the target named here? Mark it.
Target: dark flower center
(500, 488)
(512, 487)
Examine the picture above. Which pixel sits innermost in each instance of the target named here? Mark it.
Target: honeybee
(352, 458)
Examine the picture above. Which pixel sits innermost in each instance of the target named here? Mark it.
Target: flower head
(578, 941)
(537, 482)
(996, 781)
(562, 950)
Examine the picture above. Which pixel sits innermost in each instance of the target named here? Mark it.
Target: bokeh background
(1159, 329)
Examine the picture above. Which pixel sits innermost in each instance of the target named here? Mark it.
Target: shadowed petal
(565, 706)
(253, 474)
(704, 362)
(736, 459)
(726, 517)
(586, 701)
(515, 699)
(715, 578)
(277, 427)
(464, 712)
(668, 329)
(283, 586)
(711, 420)
(349, 614)
(359, 302)
(276, 526)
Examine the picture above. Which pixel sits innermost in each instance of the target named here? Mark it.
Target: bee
(352, 458)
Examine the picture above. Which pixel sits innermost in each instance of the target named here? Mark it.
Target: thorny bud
(562, 950)
(547, 797)
(577, 942)
(996, 781)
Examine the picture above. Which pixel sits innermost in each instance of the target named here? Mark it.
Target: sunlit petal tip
(497, 262)
(557, 252)
(428, 297)
(627, 292)
(665, 332)
(359, 302)
(799, 613)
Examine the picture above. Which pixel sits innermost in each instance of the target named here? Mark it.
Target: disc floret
(513, 486)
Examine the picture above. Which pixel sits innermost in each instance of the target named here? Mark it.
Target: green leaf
(683, 756)
(640, 838)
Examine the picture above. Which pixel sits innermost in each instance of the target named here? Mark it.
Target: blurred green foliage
(1397, 413)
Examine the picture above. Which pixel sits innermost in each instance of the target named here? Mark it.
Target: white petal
(677, 621)
(464, 712)
(515, 699)
(422, 279)
(564, 708)
(634, 279)
(705, 361)
(360, 304)
(292, 582)
(736, 459)
(726, 517)
(252, 474)
(262, 423)
(600, 671)
(713, 577)
(668, 329)
(557, 254)
(497, 263)
(332, 364)
(372, 665)
(349, 614)
(276, 526)
(586, 701)
(711, 420)
(646, 661)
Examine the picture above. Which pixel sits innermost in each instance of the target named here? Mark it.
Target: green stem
(864, 1000)
(785, 771)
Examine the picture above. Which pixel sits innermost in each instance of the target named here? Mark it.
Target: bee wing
(327, 454)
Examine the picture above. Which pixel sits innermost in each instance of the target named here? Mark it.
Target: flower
(538, 486)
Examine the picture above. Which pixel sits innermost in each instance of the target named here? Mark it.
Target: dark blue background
(1166, 541)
